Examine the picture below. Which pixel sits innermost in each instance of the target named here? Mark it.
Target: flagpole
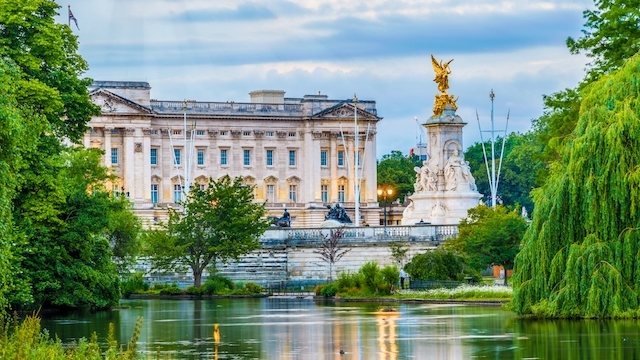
(68, 17)
(356, 159)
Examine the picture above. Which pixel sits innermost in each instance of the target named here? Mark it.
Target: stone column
(370, 172)
(107, 145)
(333, 156)
(146, 165)
(129, 162)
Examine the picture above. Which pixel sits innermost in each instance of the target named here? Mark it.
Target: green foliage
(218, 285)
(390, 275)
(27, 340)
(134, 285)
(371, 275)
(252, 288)
(579, 257)
(399, 251)
(328, 290)
(440, 264)
(171, 289)
(489, 236)
(396, 171)
(195, 290)
(221, 222)
(521, 168)
(611, 35)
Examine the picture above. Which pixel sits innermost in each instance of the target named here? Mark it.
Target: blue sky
(379, 49)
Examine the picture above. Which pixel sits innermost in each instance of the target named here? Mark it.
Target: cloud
(244, 12)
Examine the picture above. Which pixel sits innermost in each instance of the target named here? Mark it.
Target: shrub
(440, 264)
(390, 275)
(172, 289)
(252, 288)
(329, 290)
(218, 285)
(134, 285)
(371, 274)
(195, 290)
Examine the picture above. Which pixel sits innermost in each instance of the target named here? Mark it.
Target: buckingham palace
(298, 153)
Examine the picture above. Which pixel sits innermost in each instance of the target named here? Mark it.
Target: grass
(464, 292)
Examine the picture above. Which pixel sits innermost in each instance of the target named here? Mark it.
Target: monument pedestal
(440, 207)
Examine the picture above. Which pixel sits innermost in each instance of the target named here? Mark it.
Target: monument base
(439, 207)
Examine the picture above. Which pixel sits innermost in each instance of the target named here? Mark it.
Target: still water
(289, 328)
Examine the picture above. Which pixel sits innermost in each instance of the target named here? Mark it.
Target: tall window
(271, 193)
(324, 190)
(223, 157)
(176, 157)
(177, 193)
(340, 193)
(154, 193)
(247, 158)
(114, 156)
(154, 157)
(269, 157)
(323, 158)
(340, 158)
(358, 157)
(293, 193)
(292, 158)
(200, 156)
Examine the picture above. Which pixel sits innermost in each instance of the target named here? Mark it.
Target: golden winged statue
(442, 74)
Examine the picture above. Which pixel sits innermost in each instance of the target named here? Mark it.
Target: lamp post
(385, 193)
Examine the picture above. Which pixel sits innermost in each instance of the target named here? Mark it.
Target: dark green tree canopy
(221, 222)
(489, 236)
(580, 256)
(440, 264)
(395, 170)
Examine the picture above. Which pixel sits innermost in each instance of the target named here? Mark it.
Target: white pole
(493, 157)
(185, 188)
(356, 159)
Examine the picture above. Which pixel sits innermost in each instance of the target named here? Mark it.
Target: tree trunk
(197, 277)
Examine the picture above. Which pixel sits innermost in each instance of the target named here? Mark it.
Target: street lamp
(385, 193)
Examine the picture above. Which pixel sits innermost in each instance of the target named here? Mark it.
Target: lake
(290, 328)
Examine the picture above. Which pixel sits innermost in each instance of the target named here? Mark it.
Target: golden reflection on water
(388, 348)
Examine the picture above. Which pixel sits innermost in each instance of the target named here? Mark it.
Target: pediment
(201, 179)
(344, 110)
(111, 103)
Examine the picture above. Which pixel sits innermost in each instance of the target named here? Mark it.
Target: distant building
(298, 152)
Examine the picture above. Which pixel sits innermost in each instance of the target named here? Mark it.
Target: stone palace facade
(297, 152)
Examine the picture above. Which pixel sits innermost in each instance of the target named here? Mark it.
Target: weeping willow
(580, 257)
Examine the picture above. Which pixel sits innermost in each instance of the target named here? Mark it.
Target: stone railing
(359, 235)
(226, 108)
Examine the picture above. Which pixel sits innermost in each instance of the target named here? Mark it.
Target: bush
(372, 277)
(252, 288)
(218, 285)
(440, 264)
(172, 289)
(390, 275)
(195, 290)
(134, 285)
(329, 290)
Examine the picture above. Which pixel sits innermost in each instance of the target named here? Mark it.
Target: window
(340, 193)
(324, 190)
(200, 132)
(292, 134)
(358, 157)
(246, 158)
(200, 156)
(114, 190)
(223, 157)
(202, 187)
(114, 131)
(224, 133)
(323, 158)
(154, 193)
(177, 132)
(269, 157)
(176, 156)
(154, 157)
(246, 133)
(114, 156)
(340, 158)
(292, 158)
(154, 132)
(293, 193)
(271, 193)
(270, 133)
(177, 193)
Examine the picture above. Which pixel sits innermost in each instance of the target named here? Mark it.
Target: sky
(378, 49)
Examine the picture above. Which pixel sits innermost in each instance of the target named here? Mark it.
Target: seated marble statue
(453, 171)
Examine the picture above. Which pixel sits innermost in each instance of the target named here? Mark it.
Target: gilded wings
(442, 74)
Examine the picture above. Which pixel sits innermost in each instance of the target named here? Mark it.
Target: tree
(440, 264)
(330, 249)
(579, 257)
(521, 168)
(489, 236)
(399, 251)
(610, 37)
(219, 223)
(396, 171)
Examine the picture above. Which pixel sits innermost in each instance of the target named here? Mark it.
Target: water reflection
(302, 329)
